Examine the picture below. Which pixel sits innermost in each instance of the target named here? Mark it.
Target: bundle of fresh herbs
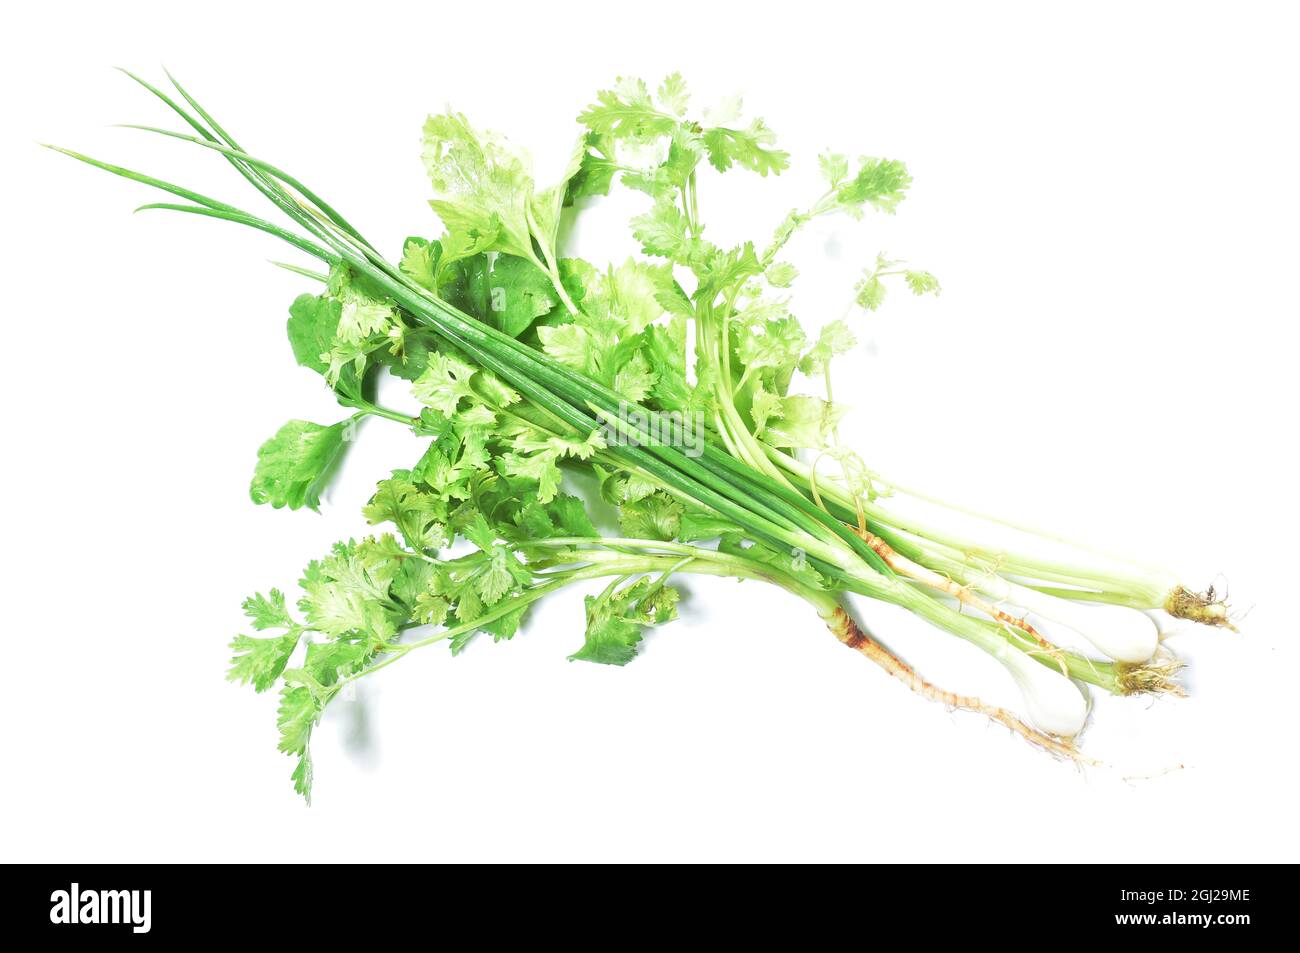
(675, 379)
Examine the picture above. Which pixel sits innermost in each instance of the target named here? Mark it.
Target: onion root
(844, 628)
(1203, 607)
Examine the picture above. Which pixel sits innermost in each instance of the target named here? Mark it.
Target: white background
(1109, 196)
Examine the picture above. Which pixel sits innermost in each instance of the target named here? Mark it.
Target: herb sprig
(680, 380)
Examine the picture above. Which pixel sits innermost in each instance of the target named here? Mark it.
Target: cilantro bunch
(532, 367)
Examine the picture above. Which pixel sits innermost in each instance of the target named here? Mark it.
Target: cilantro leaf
(518, 294)
(297, 715)
(672, 94)
(722, 270)
(869, 293)
(444, 383)
(538, 459)
(775, 343)
(348, 593)
(834, 166)
(627, 111)
(750, 148)
(802, 421)
(835, 339)
(781, 274)
(327, 661)
(616, 618)
(663, 231)
(763, 407)
(313, 328)
(269, 611)
(496, 578)
(657, 516)
(570, 516)
(420, 260)
(922, 282)
(881, 183)
(532, 519)
(293, 465)
(504, 626)
(360, 317)
(413, 579)
(419, 516)
(313, 320)
(596, 170)
(633, 289)
(665, 352)
(610, 638)
(261, 661)
(635, 378)
(483, 184)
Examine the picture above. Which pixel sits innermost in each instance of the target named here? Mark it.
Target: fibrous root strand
(847, 631)
(1204, 607)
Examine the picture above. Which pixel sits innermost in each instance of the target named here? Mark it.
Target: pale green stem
(1140, 588)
